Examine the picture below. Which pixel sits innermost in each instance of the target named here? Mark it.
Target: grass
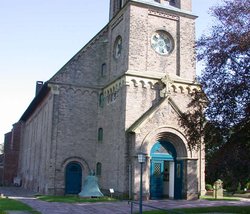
(244, 195)
(10, 204)
(222, 209)
(74, 199)
(225, 198)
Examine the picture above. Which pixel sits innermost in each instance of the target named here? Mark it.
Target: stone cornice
(169, 8)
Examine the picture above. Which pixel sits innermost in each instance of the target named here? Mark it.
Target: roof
(35, 102)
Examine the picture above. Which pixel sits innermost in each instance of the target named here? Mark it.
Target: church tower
(152, 52)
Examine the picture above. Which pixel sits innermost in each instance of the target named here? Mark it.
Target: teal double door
(166, 172)
(73, 178)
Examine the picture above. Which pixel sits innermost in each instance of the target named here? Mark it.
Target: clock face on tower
(118, 47)
(162, 43)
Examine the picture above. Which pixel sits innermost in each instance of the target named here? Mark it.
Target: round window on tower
(162, 42)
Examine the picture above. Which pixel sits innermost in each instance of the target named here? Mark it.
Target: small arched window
(101, 100)
(100, 135)
(98, 169)
(103, 70)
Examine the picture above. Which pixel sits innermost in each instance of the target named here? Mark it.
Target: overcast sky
(37, 37)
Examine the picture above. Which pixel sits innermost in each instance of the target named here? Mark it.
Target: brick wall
(11, 154)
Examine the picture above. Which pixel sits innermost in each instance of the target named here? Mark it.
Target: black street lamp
(141, 160)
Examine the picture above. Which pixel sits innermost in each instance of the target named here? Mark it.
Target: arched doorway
(165, 172)
(73, 178)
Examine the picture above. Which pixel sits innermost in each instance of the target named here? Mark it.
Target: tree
(230, 161)
(193, 121)
(225, 52)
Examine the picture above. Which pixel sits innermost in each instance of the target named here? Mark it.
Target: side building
(121, 94)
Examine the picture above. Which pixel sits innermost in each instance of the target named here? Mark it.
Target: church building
(123, 93)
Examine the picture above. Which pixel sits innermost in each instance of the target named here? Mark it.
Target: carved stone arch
(173, 88)
(134, 82)
(188, 90)
(170, 134)
(151, 85)
(94, 93)
(70, 90)
(62, 89)
(181, 89)
(84, 164)
(86, 92)
(195, 90)
(143, 84)
(78, 91)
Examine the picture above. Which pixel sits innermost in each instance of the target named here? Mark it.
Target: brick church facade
(121, 94)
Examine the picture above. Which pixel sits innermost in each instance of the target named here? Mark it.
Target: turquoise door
(178, 180)
(73, 180)
(156, 180)
(162, 153)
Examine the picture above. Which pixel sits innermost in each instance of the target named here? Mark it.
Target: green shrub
(248, 185)
(209, 187)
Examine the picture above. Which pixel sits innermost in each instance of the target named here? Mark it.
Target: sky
(37, 37)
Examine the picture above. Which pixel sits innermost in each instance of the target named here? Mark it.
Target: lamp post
(141, 160)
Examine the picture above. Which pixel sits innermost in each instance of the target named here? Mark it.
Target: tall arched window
(98, 169)
(103, 70)
(101, 100)
(100, 135)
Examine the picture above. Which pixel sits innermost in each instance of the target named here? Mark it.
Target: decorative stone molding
(162, 14)
(171, 85)
(57, 89)
(114, 86)
(54, 88)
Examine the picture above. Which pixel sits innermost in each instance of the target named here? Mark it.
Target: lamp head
(141, 157)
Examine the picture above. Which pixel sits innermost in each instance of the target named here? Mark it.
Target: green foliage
(74, 199)
(225, 51)
(9, 204)
(231, 161)
(248, 185)
(193, 120)
(225, 198)
(209, 187)
(239, 187)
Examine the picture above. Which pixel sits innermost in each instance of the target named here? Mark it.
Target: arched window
(101, 100)
(100, 135)
(98, 169)
(103, 70)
